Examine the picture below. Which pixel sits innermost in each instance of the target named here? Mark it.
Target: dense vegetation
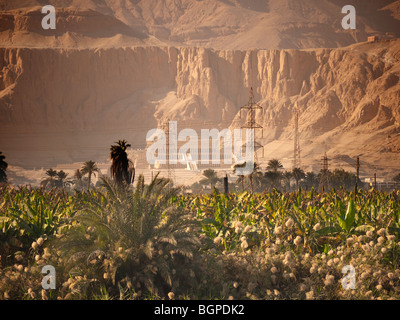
(151, 242)
(274, 176)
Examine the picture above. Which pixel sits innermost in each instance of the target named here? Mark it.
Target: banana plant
(36, 214)
(345, 219)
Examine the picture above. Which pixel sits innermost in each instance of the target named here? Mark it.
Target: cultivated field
(151, 242)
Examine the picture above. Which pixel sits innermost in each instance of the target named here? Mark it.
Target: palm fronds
(140, 232)
(122, 168)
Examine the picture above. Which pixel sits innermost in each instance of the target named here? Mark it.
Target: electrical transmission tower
(324, 180)
(251, 123)
(170, 170)
(296, 149)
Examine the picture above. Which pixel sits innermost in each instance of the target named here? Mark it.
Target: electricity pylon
(251, 123)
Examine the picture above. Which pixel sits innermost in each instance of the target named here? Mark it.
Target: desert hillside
(228, 24)
(116, 69)
(348, 98)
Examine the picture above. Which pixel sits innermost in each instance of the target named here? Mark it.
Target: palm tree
(274, 178)
(273, 174)
(274, 165)
(311, 180)
(50, 180)
(342, 178)
(298, 174)
(3, 169)
(78, 175)
(287, 176)
(137, 234)
(122, 169)
(211, 177)
(61, 175)
(253, 174)
(241, 177)
(51, 173)
(78, 178)
(89, 168)
(255, 177)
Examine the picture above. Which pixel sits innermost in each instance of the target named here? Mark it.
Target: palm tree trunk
(89, 180)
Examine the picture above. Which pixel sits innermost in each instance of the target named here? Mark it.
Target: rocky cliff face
(63, 105)
(218, 24)
(84, 28)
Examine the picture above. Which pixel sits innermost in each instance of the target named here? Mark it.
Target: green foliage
(137, 239)
(55, 179)
(27, 214)
(339, 215)
(89, 168)
(145, 242)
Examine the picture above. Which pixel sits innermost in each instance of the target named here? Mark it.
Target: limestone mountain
(219, 24)
(116, 69)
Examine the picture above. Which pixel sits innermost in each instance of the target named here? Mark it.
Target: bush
(132, 240)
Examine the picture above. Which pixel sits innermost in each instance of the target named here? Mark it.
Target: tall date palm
(129, 230)
(89, 168)
(122, 169)
(298, 174)
(274, 165)
(50, 181)
(62, 176)
(3, 168)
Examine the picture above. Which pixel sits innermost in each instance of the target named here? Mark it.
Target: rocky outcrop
(75, 28)
(73, 103)
(218, 24)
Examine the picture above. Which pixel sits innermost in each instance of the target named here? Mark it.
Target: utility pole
(170, 170)
(324, 180)
(226, 188)
(358, 173)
